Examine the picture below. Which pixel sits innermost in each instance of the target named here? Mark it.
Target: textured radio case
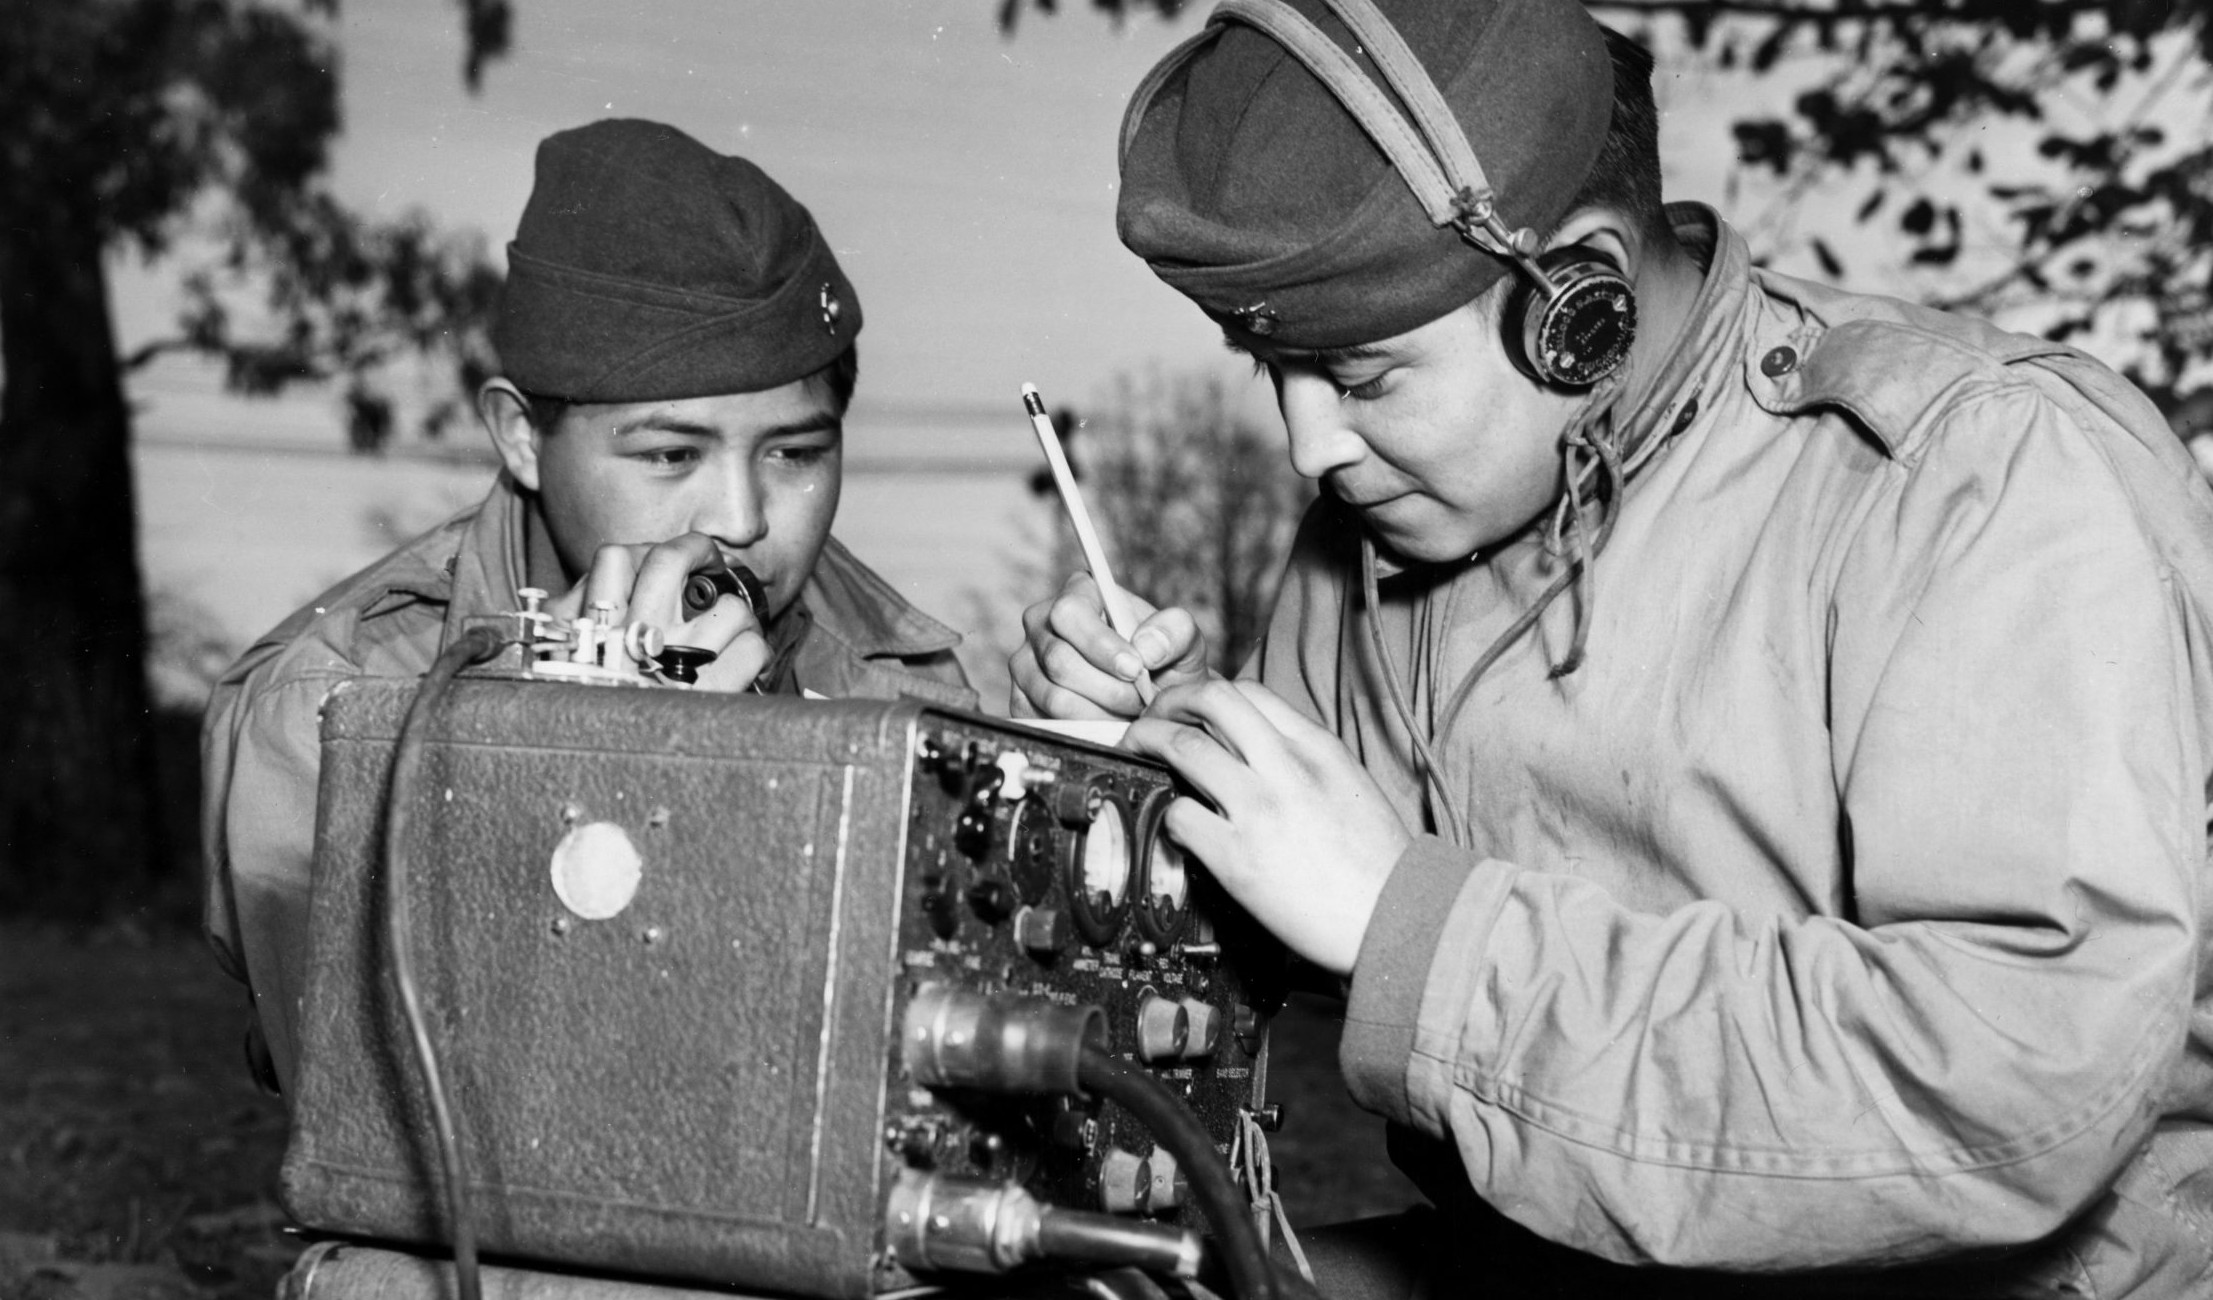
(665, 940)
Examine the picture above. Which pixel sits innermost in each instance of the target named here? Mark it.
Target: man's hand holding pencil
(1096, 651)
(1282, 815)
(1073, 664)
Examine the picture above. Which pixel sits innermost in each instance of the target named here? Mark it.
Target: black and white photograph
(1106, 649)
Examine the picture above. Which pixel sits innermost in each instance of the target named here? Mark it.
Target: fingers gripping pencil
(1119, 613)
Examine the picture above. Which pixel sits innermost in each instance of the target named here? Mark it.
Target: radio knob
(972, 831)
(1163, 1029)
(1075, 804)
(1125, 1182)
(1246, 1027)
(1041, 930)
(937, 905)
(1206, 1029)
(1168, 1187)
(994, 899)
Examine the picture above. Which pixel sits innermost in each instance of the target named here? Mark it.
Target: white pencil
(1119, 613)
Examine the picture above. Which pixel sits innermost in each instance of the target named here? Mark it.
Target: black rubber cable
(1174, 1126)
(473, 646)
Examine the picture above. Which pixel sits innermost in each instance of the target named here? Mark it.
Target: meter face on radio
(1106, 855)
(1168, 878)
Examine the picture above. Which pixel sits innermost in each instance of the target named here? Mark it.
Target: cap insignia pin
(1256, 319)
(831, 307)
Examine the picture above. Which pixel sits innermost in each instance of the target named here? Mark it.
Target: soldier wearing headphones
(1747, 745)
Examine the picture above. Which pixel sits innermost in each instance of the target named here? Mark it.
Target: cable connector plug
(936, 1223)
(956, 1038)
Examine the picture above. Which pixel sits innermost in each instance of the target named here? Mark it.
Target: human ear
(1602, 232)
(505, 413)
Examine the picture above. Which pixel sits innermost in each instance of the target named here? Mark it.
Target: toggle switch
(1019, 776)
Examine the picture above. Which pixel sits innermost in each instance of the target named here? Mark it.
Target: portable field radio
(764, 992)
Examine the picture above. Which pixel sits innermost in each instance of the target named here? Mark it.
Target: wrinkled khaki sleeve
(1971, 1053)
(261, 749)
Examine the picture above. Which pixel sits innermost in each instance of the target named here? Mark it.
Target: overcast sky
(966, 179)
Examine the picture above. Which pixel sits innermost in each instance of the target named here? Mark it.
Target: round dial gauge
(1168, 874)
(1106, 856)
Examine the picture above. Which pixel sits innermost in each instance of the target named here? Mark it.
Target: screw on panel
(572, 813)
(658, 819)
(651, 934)
(560, 925)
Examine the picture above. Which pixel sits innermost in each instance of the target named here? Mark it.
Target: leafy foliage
(1010, 11)
(2017, 154)
(192, 125)
(2046, 161)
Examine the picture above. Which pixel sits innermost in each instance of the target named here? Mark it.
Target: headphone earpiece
(1580, 332)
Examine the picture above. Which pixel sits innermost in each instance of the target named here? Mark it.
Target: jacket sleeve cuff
(1383, 1014)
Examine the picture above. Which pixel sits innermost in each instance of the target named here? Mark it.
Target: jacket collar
(850, 601)
(1704, 351)
(483, 574)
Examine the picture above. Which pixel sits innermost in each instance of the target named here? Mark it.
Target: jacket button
(1779, 362)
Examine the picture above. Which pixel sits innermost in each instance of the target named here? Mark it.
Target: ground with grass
(137, 1162)
(136, 1159)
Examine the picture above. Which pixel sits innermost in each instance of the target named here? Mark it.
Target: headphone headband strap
(1367, 103)
(1406, 75)
(1438, 163)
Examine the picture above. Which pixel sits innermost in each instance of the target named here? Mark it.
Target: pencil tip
(1029, 389)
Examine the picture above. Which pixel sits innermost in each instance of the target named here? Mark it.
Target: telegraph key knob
(681, 663)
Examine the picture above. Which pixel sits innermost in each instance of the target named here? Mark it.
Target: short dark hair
(1625, 177)
(838, 379)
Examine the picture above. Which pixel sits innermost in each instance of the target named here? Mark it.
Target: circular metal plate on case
(596, 870)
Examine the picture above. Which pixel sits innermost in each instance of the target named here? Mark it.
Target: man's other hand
(1073, 664)
(1299, 833)
(645, 584)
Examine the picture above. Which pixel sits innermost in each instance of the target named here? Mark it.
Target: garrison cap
(648, 267)
(1250, 188)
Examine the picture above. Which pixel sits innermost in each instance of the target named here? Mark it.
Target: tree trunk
(79, 835)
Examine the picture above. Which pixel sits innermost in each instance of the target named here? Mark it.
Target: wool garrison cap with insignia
(1250, 188)
(648, 267)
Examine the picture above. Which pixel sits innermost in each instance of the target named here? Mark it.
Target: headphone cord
(1588, 450)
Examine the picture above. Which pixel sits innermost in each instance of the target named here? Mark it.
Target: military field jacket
(1848, 908)
(260, 743)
